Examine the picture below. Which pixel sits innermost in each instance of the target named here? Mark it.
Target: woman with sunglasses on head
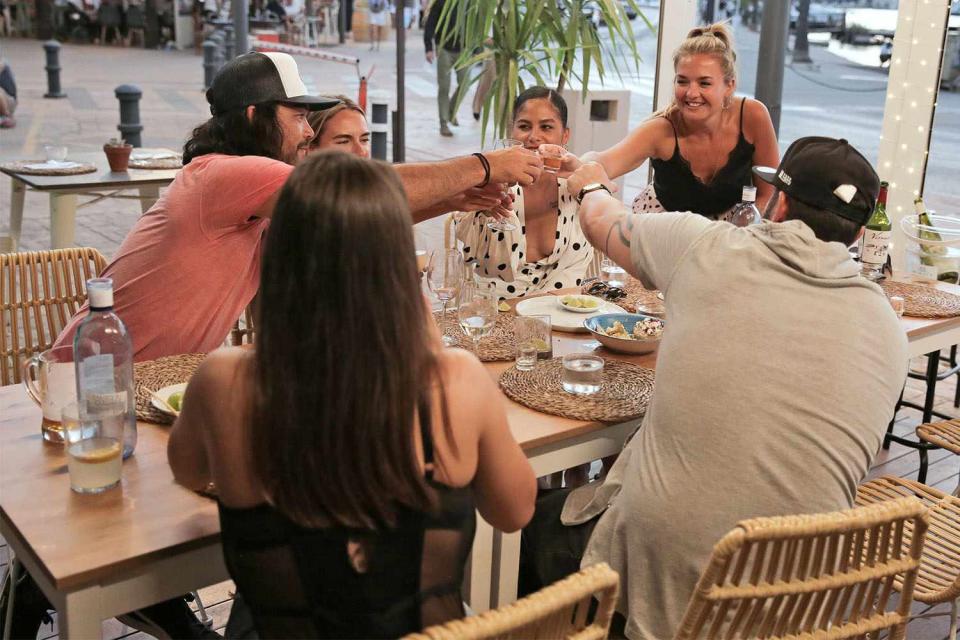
(350, 451)
(703, 146)
(342, 126)
(547, 250)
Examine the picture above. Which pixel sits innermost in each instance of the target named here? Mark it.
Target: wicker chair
(39, 293)
(945, 434)
(560, 610)
(825, 575)
(939, 577)
(243, 330)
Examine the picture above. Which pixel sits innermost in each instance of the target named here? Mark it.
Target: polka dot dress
(499, 256)
(646, 202)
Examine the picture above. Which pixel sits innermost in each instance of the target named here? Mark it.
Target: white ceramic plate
(578, 309)
(561, 318)
(165, 393)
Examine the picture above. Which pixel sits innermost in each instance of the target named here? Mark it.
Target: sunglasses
(605, 291)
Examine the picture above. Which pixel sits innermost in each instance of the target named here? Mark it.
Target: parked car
(820, 18)
(886, 51)
(593, 12)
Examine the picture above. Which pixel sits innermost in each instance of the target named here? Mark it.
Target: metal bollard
(379, 112)
(229, 43)
(209, 63)
(52, 47)
(130, 127)
(219, 58)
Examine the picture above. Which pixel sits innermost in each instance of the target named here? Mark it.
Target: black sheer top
(678, 189)
(339, 582)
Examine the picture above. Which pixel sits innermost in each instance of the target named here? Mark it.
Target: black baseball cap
(826, 173)
(256, 78)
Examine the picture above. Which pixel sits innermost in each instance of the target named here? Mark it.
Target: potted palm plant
(549, 42)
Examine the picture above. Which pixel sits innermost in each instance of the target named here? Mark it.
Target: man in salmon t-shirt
(191, 264)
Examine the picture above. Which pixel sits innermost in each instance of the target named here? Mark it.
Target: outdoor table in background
(64, 190)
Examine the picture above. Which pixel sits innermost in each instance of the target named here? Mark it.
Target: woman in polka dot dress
(547, 250)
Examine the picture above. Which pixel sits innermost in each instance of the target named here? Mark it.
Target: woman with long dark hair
(349, 449)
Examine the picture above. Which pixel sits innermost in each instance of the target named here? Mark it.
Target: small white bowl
(598, 306)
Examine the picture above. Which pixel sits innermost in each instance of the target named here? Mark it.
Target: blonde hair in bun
(714, 40)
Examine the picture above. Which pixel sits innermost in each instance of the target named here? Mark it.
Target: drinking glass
(445, 273)
(532, 334)
(898, 305)
(50, 379)
(94, 450)
(612, 274)
(55, 152)
(552, 156)
(477, 312)
(504, 225)
(582, 373)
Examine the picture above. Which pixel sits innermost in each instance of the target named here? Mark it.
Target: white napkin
(160, 154)
(52, 164)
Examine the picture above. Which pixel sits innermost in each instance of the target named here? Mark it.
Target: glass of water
(582, 373)
(94, 450)
(612, 274)
(478, 312)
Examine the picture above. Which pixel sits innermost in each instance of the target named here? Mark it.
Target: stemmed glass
(445, 273)
(477, 312)
(504, 225)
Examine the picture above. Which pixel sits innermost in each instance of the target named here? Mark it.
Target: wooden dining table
(96, 557)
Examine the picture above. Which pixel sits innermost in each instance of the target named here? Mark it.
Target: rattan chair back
(939, 577)
(39, 292)
(820, 576)
(561, 610)
(243, 329)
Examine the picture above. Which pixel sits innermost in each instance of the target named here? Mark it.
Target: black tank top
(678, 189)
(302, 583)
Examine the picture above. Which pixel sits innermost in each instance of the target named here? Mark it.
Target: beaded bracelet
(486, 169)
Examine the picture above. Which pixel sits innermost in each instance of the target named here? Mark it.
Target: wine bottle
(875, 240)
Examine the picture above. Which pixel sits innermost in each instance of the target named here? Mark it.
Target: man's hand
(514, 165)
(589, 173)
(430, 57)
(494, 198)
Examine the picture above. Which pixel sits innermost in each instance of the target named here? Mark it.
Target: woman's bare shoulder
(755, 115)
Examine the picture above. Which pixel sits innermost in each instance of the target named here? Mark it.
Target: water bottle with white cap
(746, 213)
(103, 356)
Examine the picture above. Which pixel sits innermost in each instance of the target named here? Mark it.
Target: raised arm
(646, 141)
(430, 183)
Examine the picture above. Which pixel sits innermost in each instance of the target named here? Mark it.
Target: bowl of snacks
(579, 304)
(626, 332)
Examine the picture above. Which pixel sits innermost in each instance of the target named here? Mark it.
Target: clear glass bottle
(103, 356)
(875, 240)
(746, 213)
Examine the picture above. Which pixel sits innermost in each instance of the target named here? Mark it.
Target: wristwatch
(593, 186)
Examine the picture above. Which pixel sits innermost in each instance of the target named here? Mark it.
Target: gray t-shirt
(777, 375)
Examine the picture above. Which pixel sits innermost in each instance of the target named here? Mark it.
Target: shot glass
(898, 305)
(582, 373)
(533, 332)
(55, 152)
(552, 156)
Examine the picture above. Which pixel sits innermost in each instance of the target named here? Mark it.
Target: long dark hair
(344, 357)
(232, 133)
(537, 92)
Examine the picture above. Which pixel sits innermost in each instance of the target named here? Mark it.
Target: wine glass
(477, 312)
(504, 225)
(445, 272)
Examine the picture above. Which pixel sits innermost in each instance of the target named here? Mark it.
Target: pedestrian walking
(448, 44)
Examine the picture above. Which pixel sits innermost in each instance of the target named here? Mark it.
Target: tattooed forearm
(624, 227)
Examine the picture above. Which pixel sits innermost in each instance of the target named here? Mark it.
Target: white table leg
(79, 617)
(479, 579)
(17, 192)
(149, 195)
(63, 219)
(506, 563)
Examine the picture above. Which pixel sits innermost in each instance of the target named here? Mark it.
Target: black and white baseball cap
(828, 174)
(256, 78)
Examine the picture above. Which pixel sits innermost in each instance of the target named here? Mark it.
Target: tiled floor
(899, 461)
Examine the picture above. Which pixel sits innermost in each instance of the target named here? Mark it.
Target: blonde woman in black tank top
(704, 143)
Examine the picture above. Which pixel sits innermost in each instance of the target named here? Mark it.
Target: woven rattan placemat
(624, 395)
(921, 301)
(638, 299)
(499, 345)
(20, 166)
(156, 374)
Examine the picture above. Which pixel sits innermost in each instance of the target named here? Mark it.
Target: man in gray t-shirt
(776, 377)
